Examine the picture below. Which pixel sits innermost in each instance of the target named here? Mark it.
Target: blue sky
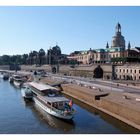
(23, 29)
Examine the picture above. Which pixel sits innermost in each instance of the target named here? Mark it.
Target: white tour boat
(51, 101)
(18, 80)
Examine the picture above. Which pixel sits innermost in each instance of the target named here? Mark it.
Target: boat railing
(58, 111)
(61, 112)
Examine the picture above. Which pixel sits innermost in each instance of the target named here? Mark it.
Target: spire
(118, 28)
(107, 46)
(129, 46)
(56, 43)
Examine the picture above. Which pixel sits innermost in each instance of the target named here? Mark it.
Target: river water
(20, 117)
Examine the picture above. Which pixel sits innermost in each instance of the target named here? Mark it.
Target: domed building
(102, 55)
(117, 48)
(54, 56)
(118, 39)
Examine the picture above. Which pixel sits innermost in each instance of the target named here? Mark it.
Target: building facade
(128, 72)
(55, 57)
(109, 54)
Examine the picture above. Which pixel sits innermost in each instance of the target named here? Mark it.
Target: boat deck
(56, 99)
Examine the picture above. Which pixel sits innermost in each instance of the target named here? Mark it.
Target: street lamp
(50, 56)
(58, 65)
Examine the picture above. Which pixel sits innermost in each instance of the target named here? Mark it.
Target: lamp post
(111, 84)
(58, 66)
(50, 56)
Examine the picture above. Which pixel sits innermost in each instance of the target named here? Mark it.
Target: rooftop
(56, 99)
(41, 86)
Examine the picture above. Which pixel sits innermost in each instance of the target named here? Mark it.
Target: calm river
(20, 117)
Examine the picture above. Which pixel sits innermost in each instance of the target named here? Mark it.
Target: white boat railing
(60, 112)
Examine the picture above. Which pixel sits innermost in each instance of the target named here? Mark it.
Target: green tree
(6, 59)
(24, 59)
(35, 54)
(31, 58)
(41, 53)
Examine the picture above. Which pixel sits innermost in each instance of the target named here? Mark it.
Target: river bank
(125, 107)
(17, 113)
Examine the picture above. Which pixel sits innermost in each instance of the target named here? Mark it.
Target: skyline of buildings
(118, 49)
(117, 52)
(73, 27)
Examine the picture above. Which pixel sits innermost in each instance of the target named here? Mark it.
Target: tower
(118, 28)
(118, 40)
(129, 46)
(107, 46)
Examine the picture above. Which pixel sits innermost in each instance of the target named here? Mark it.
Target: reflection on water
(50, 120)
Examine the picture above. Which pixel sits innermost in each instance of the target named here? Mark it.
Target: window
(101, 56)
(127, 70)
(113, 55)
(120, 76)
(135, 71)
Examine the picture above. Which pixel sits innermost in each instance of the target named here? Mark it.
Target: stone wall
(86, 71)
(113, 104)
(81, 70)
(34, 67)
(4, 67)
(122, 111)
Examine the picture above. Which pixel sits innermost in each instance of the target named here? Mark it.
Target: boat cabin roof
(41, 86)
(16, 76)
(56, 99)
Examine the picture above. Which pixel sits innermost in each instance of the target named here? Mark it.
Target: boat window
(61, 104)
(51, 93)
(48, 103)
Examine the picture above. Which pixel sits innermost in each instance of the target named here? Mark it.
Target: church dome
(118, 40)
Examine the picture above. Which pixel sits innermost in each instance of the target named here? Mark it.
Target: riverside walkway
(124, 106)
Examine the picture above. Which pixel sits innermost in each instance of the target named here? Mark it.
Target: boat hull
(25, 95)
(17, 84)
(51, 112)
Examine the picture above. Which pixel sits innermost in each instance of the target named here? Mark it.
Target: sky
(24, 29)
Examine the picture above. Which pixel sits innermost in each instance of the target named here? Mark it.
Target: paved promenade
(125, 106)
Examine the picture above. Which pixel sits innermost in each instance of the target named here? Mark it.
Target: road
(107, 86)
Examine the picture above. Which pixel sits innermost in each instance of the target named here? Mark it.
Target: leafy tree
(73, 62)
(35, 54)
(6, 59)
(41, 53)
(31, 58)
(24, 58)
